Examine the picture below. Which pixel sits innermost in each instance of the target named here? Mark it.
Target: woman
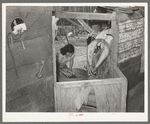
(65, 55)
(16, 35)
(18, 27)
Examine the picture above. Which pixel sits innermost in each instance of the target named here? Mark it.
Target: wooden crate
(110, 94)
(110, 89)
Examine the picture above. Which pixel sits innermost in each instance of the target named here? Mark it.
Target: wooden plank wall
(110, 95)
(29, 93)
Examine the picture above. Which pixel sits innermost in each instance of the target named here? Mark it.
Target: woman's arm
(102, 58)
(65, 72)
(71, 64)
(9, 40)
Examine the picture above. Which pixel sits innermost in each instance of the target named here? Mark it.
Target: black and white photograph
(74, 60)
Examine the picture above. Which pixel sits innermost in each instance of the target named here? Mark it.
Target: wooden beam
(53, 45)
(124, 95)
(85, 26)
(88, 16)
(74, 23)
(89, 82)
(54, 54)
(114, 47)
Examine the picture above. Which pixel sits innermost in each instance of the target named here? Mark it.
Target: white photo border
(65, 117)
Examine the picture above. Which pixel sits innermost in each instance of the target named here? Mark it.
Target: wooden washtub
(110, 93)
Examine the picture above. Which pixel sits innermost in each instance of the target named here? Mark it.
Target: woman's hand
(72, 72)
(91, 70)
(67, 74)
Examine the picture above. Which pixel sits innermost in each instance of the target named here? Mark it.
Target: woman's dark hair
(18, 21)
(68, 48)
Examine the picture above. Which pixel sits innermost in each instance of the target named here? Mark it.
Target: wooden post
(124, 94)
(85, 26)
(74, 23)
(114, 47)
(54, 55)
(88, 16)
(53, 45)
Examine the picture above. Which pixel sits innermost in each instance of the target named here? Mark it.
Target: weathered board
(27, 92)
(110, 94)
(88, 16)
